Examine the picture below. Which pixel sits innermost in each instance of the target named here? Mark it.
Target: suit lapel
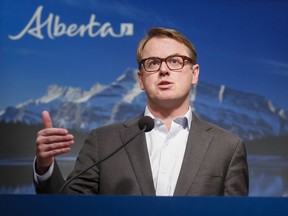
(138, 155)
(197, 146)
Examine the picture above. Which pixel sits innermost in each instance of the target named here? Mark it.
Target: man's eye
(153, 62)
(174, 61)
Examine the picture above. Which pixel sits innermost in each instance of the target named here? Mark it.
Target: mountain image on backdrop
(250, 116)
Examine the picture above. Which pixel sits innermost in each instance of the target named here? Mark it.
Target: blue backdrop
(77, 59)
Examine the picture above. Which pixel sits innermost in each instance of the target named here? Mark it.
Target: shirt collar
(185, 120)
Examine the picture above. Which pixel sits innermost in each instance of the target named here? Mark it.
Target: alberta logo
(53, 28)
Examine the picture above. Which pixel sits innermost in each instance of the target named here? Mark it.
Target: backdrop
(77, 59)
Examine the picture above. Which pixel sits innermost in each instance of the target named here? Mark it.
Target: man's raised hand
(50, 142)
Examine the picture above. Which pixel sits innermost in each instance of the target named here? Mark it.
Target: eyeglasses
(175, 62)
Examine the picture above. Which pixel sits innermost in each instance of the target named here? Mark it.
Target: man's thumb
(46, 119)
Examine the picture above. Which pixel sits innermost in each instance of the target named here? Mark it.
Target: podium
(149, 206)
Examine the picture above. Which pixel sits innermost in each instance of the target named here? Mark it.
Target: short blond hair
(166, 33)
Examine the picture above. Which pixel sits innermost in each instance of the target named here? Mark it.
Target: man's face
(167, 87)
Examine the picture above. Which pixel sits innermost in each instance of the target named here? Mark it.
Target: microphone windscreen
(146, 121)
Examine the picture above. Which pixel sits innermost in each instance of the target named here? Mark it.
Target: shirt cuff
(42, 178)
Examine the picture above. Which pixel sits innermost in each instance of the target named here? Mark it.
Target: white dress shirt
(166, 150)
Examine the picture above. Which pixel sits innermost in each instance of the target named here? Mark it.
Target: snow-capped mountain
(248, 115)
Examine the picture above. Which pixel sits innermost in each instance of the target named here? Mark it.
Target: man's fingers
(53, 132)
(50, 139)
(42, 157)
(43, 149)
(46, 119)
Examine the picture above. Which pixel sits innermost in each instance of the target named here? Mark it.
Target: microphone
(145, 124)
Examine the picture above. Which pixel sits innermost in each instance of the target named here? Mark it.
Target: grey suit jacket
(214, 164)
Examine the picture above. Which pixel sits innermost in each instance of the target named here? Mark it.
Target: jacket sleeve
(53, 184)
(237, 178)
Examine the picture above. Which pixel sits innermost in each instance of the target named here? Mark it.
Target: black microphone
(145, 124)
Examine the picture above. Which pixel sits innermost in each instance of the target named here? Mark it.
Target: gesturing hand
(49, 143)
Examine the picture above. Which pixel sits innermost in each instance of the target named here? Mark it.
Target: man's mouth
(164, 84)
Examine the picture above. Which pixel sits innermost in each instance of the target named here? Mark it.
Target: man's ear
(195, 74)
(140, 77)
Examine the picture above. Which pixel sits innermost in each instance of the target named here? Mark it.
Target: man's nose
(164, 69)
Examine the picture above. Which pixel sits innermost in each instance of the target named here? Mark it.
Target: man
(182, 156)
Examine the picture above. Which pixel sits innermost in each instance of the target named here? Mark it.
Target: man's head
(167, 68)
